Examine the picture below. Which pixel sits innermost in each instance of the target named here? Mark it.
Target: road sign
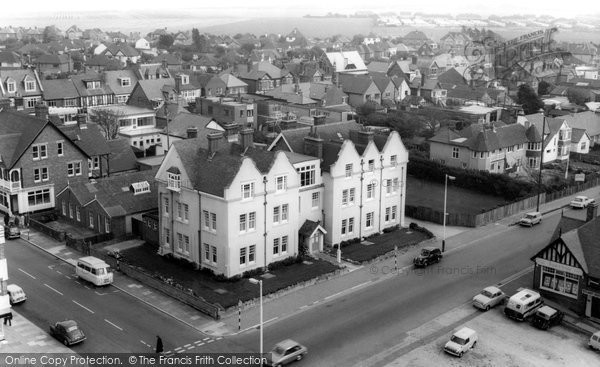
(579, 177)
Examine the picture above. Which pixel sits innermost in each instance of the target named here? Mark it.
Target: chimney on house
(164, 63)
(178, 83)
(592, 211)
(192, 132)
(214, 140)
(318, 120)
(522, 120)
(41, 111)
(231, 131)
(82, 121)
(313, 144)
(247, 138)
(362, 137)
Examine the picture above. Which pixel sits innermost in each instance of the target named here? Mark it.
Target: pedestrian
(159, 344)
(8, 320)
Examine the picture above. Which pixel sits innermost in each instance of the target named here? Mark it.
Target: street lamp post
(541, 160)
(445, 214)
(255, 281)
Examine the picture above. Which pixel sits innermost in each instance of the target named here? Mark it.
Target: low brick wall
(170, 290)
(41, 227)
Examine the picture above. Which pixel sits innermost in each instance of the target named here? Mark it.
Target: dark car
(546, 316)
(68, 332)
(12, 231)
(429, 255)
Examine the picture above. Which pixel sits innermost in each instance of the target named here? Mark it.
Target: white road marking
(26, 273)
(360, 285)
(210, 341)
(58, 271)
(146, 344)
(192, 347)
(82, 306)
(335, 294)
(118, 327)
(186, 346)
(53, 289)
(219, 338)
(516, 276)
(178, 348)
(200, 344)
(205, 339)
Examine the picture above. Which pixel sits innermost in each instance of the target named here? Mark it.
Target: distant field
(431, 195)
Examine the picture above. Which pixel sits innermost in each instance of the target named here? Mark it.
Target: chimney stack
(313, 144)
(592, 212)
(247, 138)
(214, 140)
(192, 132)
(362, 137)
(41, 111)
(82, 121)
(231, 131)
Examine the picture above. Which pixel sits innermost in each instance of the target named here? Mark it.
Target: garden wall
(39, 226)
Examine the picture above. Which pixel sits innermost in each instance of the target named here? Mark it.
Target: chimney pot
(247, 138)
(592, 212)
(214, 140)
(192, 132)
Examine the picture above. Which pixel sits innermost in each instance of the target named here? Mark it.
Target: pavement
(20, 336)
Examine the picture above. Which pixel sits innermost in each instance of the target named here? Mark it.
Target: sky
(316, 7)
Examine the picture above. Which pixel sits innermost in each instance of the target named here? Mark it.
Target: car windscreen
(486, 293)
(458, 340)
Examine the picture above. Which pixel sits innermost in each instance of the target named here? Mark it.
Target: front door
(315, 241)
(595, 307)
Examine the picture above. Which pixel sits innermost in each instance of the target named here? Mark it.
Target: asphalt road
(353, 328)
(112, 320)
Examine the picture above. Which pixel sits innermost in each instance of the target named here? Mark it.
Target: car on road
(531, 219)
(68, 332)
(581, 202)
(461, 341)
(286, 352)
(488, 298)
(594, 342)
(428, 255)
(547, 316)
(523, 304)
(15, 294)
(12, 231)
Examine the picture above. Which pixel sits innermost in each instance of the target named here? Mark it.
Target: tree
(107, 120)
(578, 96)
(165, 41)
(544, 88)
(200, 41)
(530, 101)
(247, 48)
(51, 34)
(358, 39)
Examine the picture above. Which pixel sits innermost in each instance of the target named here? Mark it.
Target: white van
(523, 304)
(15, 294)
(594, 342)
(94, 271)
(461, 341)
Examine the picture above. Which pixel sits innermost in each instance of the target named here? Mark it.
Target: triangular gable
(559, 252)
(280, 143)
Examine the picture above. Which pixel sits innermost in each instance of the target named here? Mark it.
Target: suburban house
(122, 52)
(9, 60)
(73, 32)
(307, 71)
(148, 93)
(402, 89)
(386, 87)
(93, 90)
(108, 204)
(62, 100)
(228, 110)
(182, 92)
(142, 45)
(580, 141)
(360, 89)
(363, 173)
(99, 63)
(37, 160)
(152, 71)
(185, 125)
(263, 76)
(249, 215)
(54, 64)
(89, 138)
(557, 135)
(343, 62)
(22, 87)
(121, 82)
(497, 148)
(586, 120)
(168, 61)
(567, 270)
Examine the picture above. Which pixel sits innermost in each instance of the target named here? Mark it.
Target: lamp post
(445, 214)
(165, 104)
(541, 159)
(255, 281)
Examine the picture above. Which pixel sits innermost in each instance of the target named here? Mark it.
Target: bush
(181, 262)
(253, 273)
(285, 262)
(218, 277)
(415, 227)
(391, 229)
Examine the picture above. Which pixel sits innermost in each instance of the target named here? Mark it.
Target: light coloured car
(461, 341)
(531, 219)
(594, 342)
(15, 294)
(581, 202)
(286, 352)
(489, 298)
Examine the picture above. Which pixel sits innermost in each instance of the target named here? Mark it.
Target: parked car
(531, 219)
(428, 255)
(546, 316)
(286, 352)
(68, 332)
(15, 294)
(581, 202)
(12, 231)
(594, 342)
(461, 341)
(488, 298)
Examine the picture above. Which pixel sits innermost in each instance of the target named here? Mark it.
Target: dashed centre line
(26, 273)
(82, 306)
(53, 289)
(117, 326)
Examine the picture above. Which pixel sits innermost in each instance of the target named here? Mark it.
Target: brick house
(37, 161)
(22, 87)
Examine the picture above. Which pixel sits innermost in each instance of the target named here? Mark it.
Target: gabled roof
(587, 120)
(179, 125)
(90, 139)
(152, 87)
(378, 66)
(112, 79)
(381, 81)
(480, 139)
(53, 59)
(59, 89)
(19, 75)
(577, 135)
(121, 158)
(227, 162)
(9, 57)
(114, 194)
(356, 84)
(231, 81)
(80, 83)
(327, 132)
(122, 48)
(346, 60)
(452, 76)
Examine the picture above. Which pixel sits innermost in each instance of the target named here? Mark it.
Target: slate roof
(123, 48)
(113, 193)
(19, 75)
(588, 235)
(53, 59)
(587, 120)
(152, 87)
(102, 61)
(111, 78)
(308, 228)
(327, 132)
(171, 59)
(78, 81)
(231, 81)
(9, 57)
(227, 162)
(577, 134)
(382, 82)
(352, 57)
(355, 84)
(121, 156)
(90, 139)
(182, 121)
(479, 139)
(452, 76)
(151, 69)
(59, 89)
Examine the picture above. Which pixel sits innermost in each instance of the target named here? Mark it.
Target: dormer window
(174, 179)
(185, 79)
(140, 187)
(11, 86)
(125, 82)
(29, 85)
(92, 84)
